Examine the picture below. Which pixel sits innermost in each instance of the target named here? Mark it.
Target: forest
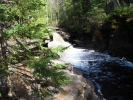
(25, 24)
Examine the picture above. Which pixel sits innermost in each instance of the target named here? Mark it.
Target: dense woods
(82, 18)
(24, 24)
(84, 15)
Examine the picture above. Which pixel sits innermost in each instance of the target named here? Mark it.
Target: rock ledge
(79, 89)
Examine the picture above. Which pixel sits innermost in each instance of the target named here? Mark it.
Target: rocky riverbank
(78, 89)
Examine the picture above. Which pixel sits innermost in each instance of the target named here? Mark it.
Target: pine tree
(25, 63)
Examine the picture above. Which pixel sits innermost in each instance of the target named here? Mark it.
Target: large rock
(72, 95)
(78, 89)
(87, 94)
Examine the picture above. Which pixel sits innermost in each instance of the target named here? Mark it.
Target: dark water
(112, 76)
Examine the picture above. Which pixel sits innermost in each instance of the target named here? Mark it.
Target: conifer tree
(25, 63)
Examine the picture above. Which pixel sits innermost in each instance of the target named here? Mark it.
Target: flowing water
(111, 76)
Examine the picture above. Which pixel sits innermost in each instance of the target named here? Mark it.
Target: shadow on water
(117, 83)
(113, 80)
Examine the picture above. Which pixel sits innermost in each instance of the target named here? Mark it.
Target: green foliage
(120, 17)
(0, 95)
(81, 15)
(2, 11)
(3, 68)
(60, 66)
(21, 21)
(123, 10)
(47, 75)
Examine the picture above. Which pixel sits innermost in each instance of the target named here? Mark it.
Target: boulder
(72, 95)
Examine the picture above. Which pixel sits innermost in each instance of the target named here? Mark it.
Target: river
(112, 76)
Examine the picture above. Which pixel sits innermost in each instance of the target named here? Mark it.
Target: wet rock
(94, 97)
(77, 71)
(90, 85)
(87, 94)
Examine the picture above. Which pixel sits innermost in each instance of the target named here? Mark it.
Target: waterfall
(58, 41)
(106, 72)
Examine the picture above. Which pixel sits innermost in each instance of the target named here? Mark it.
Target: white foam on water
(84, 59)
(58, 41)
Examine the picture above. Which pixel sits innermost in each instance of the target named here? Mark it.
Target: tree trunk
(2, 43)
